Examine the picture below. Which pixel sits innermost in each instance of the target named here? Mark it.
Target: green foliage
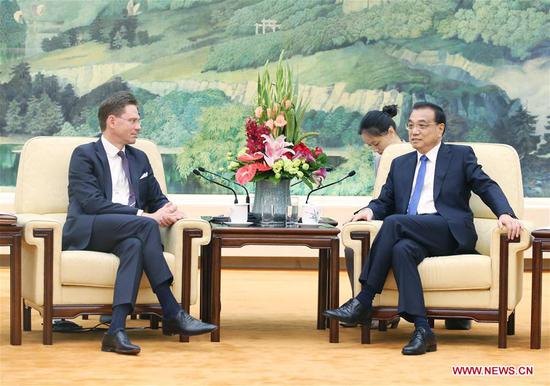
(288, 13)
(44, 116)
(336, 128)
(84, 130)
(14, 119)
(172, 120)
(518, 130)
(512, 24)
(400, 19)
(217, 124)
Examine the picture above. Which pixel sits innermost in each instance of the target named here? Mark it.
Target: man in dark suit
(116, 206)
(425, 207)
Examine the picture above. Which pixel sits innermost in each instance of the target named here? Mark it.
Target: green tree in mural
(544, 149)
(97, 30)
(517, 25)
(67, 100)
(44, 116)
(217, 125)
(14, 120)
(518, 130)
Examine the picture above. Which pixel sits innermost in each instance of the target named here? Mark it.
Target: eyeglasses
(419, 126)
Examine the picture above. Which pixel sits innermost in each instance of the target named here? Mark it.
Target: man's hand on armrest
(167, 215)
(364, 214)
(512, 225)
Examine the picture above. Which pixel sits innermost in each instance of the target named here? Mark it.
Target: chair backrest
(499, 161)
(42, 177)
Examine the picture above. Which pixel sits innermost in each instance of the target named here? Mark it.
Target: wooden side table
(541, 243)
(10, 235)
(324, 238)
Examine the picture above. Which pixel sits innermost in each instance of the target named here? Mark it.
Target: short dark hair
(438, 111)
(114, 105)
(377, 123)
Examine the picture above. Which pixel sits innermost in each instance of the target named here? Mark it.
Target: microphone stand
(350, 174)
(195, 171)
(247, 199)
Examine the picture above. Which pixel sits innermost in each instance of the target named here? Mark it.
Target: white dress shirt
(120, 184)
(426, 203)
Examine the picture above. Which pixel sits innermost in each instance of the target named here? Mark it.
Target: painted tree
(518, 130)
(44, 116)
(14, 120)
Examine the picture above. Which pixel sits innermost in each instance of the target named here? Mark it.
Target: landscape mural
(193, 65)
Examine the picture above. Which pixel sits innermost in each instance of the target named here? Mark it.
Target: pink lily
(275, 148)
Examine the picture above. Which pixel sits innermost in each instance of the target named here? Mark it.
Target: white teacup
(310, 214)
(239, 213)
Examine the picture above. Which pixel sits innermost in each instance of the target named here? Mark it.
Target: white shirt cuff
(140, 212)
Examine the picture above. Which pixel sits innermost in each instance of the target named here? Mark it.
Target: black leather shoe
(421, 342)
(458, 324)
(185, 324)
(352, 311)
(118, 342)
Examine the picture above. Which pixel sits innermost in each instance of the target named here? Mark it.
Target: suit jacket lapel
(107, 183)
(441, 167)
(407, 177)
(134, 172)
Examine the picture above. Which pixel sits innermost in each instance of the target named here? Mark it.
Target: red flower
(246, 173)
(254, 140)
(246, 157)
(318, 151)
(302, 151)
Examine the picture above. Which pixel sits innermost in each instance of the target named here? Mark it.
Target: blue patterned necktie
(126, 168)
(415, 198)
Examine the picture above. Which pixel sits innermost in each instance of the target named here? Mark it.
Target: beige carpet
(269, 337)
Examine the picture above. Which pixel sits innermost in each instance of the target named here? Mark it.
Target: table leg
(334, 285)
(205, 285)
(215, 305)
(15, 291)
(322, 295)
(536, 295)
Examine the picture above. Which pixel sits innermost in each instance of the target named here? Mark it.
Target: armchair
(485, 287)
(67, 284)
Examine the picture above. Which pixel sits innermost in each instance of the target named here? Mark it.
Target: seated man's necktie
(415, 198)
(126, 168)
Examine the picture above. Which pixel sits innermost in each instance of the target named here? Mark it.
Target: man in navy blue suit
(116, 206)
(425, 207)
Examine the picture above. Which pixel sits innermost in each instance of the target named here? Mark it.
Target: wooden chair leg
(431, 322)
(26, 318)
(365, 334)
(382, 325)
(511, 325)
(84, 317)
(154, 322)
(47, 326)
(133, 316)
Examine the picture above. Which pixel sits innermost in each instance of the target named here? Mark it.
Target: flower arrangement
(275, 147)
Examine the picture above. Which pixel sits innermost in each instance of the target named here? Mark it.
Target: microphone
(195, 171)
(350, 174)
(201, 169)
(328, 169)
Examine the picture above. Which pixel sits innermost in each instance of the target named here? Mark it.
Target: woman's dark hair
(377, 123)
(115, 105)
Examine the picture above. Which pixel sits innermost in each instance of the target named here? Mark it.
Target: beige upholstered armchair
(66, 284)
(485, 287)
